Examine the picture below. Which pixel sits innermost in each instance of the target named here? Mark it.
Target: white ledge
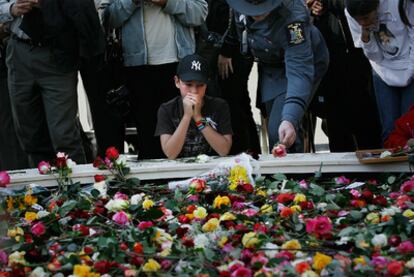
(170, 169)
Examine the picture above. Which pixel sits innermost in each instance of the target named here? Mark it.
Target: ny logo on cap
(196, 65)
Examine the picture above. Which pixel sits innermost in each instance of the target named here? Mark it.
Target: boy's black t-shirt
(214, 110)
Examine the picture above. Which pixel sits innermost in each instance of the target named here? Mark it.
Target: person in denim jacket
(156, 34)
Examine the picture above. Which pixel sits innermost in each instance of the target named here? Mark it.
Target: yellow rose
(372, 218)
(15, 233)
(266, 209)
(166, 252)
(292, 244)
(220, 201)
(30, 216)
(309, 273)
(30, 200)
(190, 216)
(408, 213)
(250, 239)
(200, 213)
(227, 216)
(151, 266)
(238, 174)
(16, 258)
(10, 204)
(84, 271)
(147, 204)
(261, 193)
(211, 225)
(295, 208)
(360, 260)
(222, 241)
(320, 261)
(299, 198)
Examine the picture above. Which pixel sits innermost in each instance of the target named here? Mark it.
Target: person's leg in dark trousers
(43, 99)
(11, 153)
(235, 92)
(108, 123)
(149, 87)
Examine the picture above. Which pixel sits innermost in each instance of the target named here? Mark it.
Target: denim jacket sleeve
(120, 11)
(5, 15)
(190, 13)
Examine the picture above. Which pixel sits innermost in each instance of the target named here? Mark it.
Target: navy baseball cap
(193, 68)
(254, 7)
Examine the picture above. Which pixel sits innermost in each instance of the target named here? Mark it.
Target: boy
(193, 123)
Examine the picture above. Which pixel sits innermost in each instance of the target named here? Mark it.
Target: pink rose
(320, 225)
(43, 167)
(303, 184)
(279, 151)
(405, 247)
(121, 218)
(143, 225)
(120, 196)
(242, 272)
(4, 179)
(407, 186)
(38, 229)
(249, 212)
(342, 180)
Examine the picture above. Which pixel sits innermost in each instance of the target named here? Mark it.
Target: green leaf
(125, 171)
(151, 214)
(67, 207)
(356, 215)
(279, 177)
(346, 232)
(316, 190)
(95, 193)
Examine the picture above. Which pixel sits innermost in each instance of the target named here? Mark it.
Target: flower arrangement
(224, 223)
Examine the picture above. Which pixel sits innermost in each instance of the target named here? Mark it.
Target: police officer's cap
(254, 7)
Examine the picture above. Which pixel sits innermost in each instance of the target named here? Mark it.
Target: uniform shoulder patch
(296, 33)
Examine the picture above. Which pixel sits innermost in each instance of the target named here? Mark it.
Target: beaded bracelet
(201, 124)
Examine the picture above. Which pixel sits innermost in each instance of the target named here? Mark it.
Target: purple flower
(193, 198)
(43, 167)
(379, 261)
(120, 196)
(4, 179)
(342, 180)
(3, 257)
(121, 218)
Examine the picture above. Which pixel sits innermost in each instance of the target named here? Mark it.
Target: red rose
(61, 162)
(136, 260)
(395, 268)
(286, 212)
(138, 248)
(98, 162)
(320, 225)
(84, 230)
(88, 250)
(191, 209)
(260, 227)
(181, 231)
(99, 178)
(188, 243)
(394, 240)
(112, 153)
(143, 225)
(380, 200)
(368, 195)
(123, 246)
(285, 198)
(102, 266)
(279, 151)
(198, 185)
(183, 219)
(38, 229)
(246, 187)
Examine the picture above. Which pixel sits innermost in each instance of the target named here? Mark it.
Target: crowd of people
(178, 71)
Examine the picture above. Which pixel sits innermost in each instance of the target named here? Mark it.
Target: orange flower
(302, 267)
(286, 212)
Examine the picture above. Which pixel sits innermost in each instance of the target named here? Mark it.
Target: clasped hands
(192, 104)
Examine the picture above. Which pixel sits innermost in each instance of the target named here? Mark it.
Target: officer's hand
(317, 8)
(21, 7)
(287, 133)
(225, 66)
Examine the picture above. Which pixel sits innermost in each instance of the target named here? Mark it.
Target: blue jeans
(392, 103)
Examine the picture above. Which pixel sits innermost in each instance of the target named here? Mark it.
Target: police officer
(292, 57)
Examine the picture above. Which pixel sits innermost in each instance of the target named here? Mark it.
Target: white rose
(70, 164)
(137, 198)
(202, 158)
(39, 272)
(43, 213)
(322, 206)
(271, 249)
(101, 187)
(116, 205)
(379, 240)
(121, 159)
(201, 241)
(410, 264)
